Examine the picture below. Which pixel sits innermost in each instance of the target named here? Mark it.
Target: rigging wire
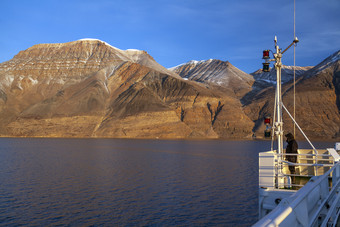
(294, 71)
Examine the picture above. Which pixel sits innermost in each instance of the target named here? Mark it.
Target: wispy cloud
(175, 30)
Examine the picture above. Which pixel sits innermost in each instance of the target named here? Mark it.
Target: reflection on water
(128, 182)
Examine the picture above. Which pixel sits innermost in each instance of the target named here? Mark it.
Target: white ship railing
(274, 171)
(316, 204)
(319, 164)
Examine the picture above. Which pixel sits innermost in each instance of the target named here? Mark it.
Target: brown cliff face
(88, 88)
(318, 108)
(317, 102)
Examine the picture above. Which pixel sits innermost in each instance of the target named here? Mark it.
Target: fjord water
(111, 182)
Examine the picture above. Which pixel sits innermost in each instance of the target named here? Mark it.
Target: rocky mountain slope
(317, 101)
(217, 74)
(267, 80)
(88, 88)
(287, 74)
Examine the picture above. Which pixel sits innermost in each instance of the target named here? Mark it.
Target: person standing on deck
(291, 148)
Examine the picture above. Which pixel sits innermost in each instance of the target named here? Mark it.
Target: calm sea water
(110, 182)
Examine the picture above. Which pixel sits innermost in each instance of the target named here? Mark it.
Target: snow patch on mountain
(98, 40)
(192, 62)
(287, 74)
(89, 39)
(213, 71)
(327, 62)
(133, 50)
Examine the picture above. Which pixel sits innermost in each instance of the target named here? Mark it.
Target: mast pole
(279, 122)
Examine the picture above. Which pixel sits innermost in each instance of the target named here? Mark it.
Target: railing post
(316, 166)
(336, 173)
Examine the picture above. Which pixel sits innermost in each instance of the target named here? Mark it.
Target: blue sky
(177, 31)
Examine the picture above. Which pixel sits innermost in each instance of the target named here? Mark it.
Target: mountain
(217, 74)
(287, 74)
(88, 88)
(267, 80)
(317, 101)
(318, 93)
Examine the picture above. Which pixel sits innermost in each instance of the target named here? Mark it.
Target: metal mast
(278, 124)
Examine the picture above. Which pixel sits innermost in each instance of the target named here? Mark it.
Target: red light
(267, 120)
(266, 54)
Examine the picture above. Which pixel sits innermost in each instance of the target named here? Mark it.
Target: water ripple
(102, 182)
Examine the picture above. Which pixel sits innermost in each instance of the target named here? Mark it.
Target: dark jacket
(291, 148)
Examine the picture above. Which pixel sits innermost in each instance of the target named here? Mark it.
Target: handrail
(274, 172)
(329, 214)
(307, 164)
(314, 157)
(294, 154)
(296, 206)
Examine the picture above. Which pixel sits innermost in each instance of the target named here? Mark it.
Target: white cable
(316, 152)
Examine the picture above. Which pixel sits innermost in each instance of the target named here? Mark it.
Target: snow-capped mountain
(88, 88)
(216, 72)
(317, 101)
(326, 64)
(287, 74)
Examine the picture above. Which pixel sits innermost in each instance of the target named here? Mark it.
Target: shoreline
(168, 139)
